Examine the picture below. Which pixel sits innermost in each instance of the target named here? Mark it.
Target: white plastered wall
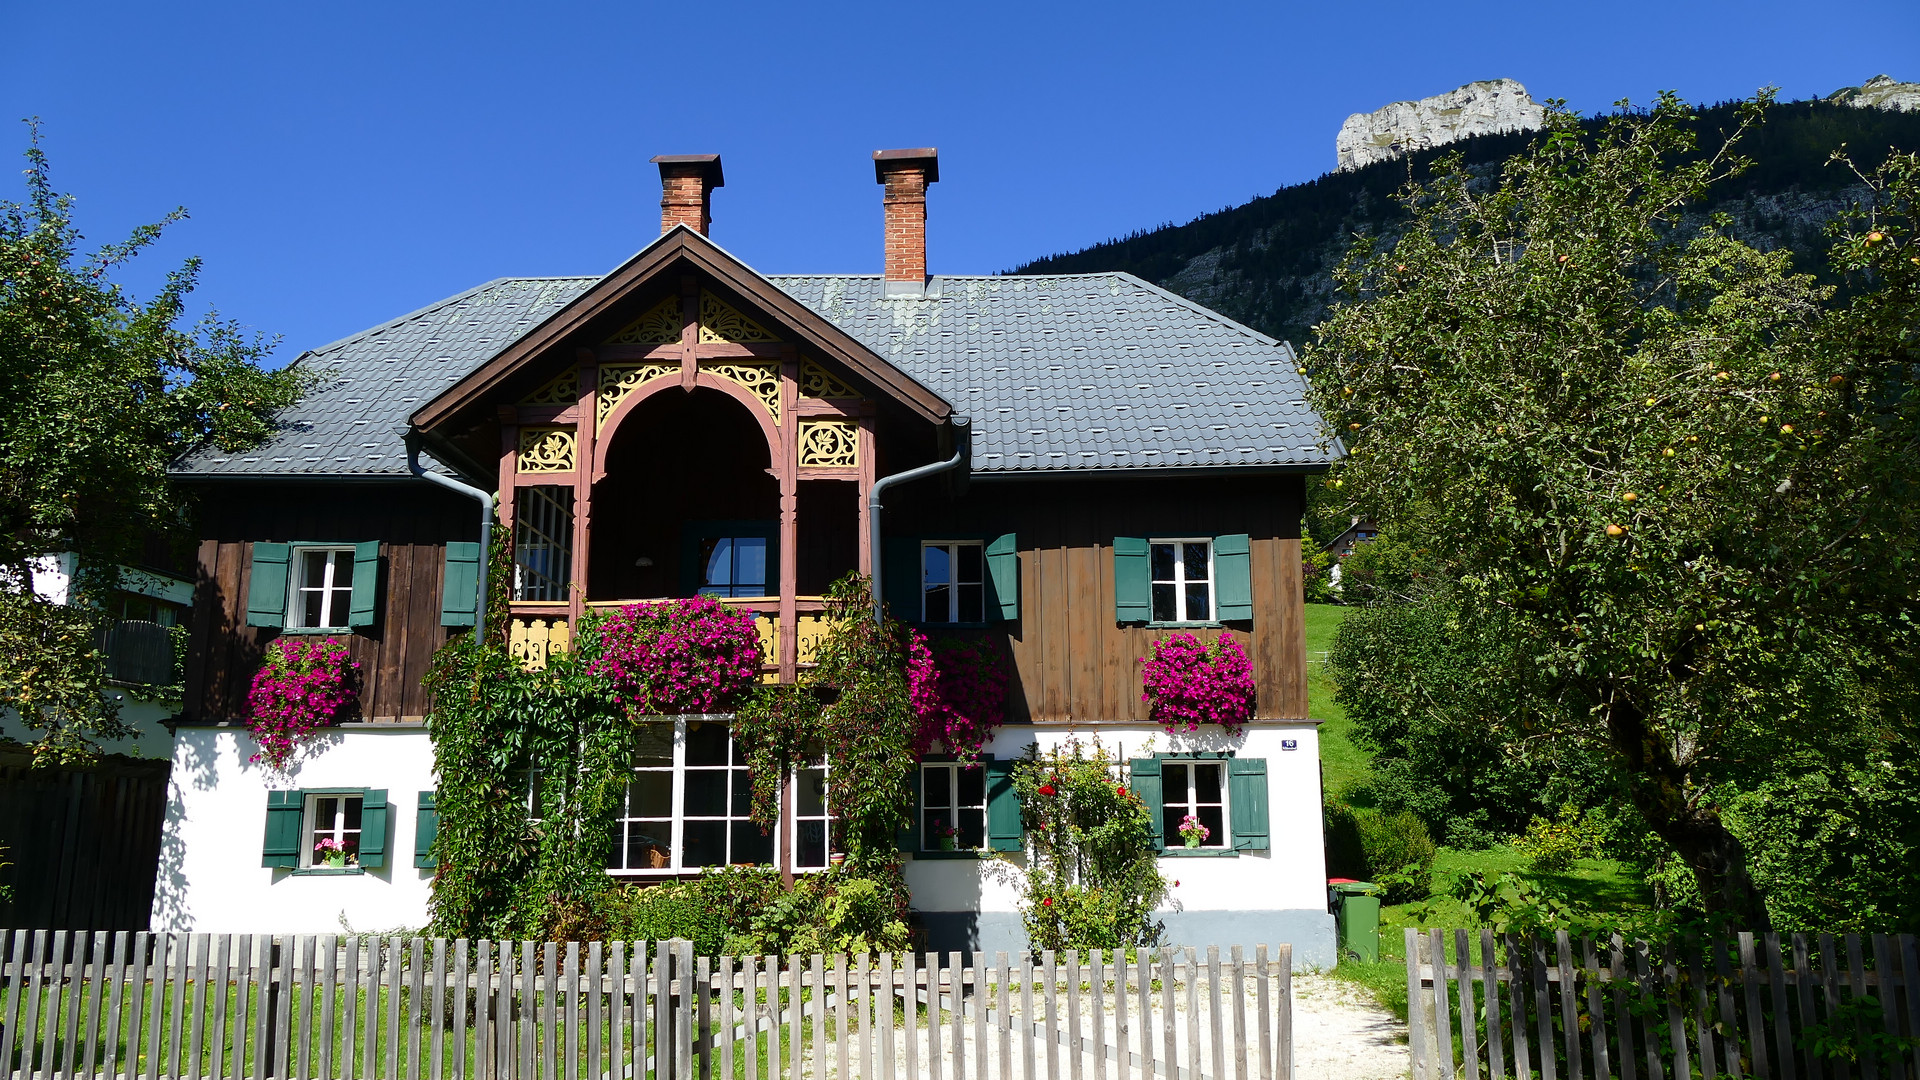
(210, 876)
(1290, 875)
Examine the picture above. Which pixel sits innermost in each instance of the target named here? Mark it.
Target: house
(1119, 463)
(1358, 532)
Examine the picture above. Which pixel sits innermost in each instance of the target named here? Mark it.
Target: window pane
(342, 605)
(811, 799)
(653, 745)
(325, 811)
(313, 569)
(1173, 783)
(351, 819)
(1206, 783)
(648, 846)
(706, 793)
(1199, 603)
(939, 789)
(1213, 819)
(1163, 604)
(706, 743)
(343, 570)
(973, 829)
(718, 557)
(1162, 557)
(969, 562)
(939, 569)
(310, 610)
(742, 792)
(1170, 825)
(706, 844)
(973, 603)
(939, 604)
(750, 845)
(1195, 556)
(750, 565)
(933, 824)
(812, 843)
(650, 795)
(973, 786)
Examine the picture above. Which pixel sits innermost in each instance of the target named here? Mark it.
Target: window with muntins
(953, 582)
(953, 807)
(321, 592)
(1196, 789)
(733, 566)
(816, 833)
(333, 830)
(542, 543)
(687, 804)
(1182, 579)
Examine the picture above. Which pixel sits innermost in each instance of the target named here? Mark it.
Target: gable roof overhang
(678, 250)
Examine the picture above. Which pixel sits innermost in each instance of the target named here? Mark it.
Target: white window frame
(952, 548)
(312, 833)
(826, 816)
(924, 843)
(1219, 839)
(1180, 582)
(331, 618)
(677, 842)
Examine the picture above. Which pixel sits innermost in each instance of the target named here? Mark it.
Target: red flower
(1122, 790)
(1047, 789)
(1176, 883)
(1048, 902)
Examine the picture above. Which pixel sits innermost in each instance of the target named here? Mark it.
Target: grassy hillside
(1267, 263)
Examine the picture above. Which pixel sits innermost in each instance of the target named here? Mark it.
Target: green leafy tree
(1668, 471)
(98, 393)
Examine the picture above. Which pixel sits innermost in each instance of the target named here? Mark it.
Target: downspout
(411, 435)
(962, 455)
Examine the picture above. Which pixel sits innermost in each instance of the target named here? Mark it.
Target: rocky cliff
(1880, 92)
(1478, 108)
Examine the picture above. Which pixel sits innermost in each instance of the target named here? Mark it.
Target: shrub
(959, 693)
(1189, 684)
(1091, 879)
(1551, 847)
(679, 656)
(304, 685)
(676, 909)
(1346, 851)
(1400, 854)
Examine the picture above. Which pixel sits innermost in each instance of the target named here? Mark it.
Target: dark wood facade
(412, 519)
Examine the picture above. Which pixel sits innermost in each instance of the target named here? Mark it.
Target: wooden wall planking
(84, 843)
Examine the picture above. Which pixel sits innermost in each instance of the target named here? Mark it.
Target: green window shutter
(900, 577)
(267, 587)
(426, 826)
(282, 844)
(1003, 808)
(1003, 577)
(460, 592)
(373, 827)
(1144, 775)
(908, 839)
(366, 582)
(1247, 792)
(1132, 587)
(1233, 577)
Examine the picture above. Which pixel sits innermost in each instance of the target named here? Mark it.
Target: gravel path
(1340, 1034)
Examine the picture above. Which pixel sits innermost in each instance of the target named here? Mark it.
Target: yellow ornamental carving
(546, 449)
(719, 322)
(533, 641)
(619, 380)
(564, 390)
(818, 382)
(829, 444)
(762, 380)
(659, 326)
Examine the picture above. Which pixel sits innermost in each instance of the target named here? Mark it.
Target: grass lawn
(1345, 766)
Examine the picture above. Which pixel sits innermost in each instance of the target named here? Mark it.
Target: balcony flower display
(679, 656)
(958, 690)
(1188, 683)
(304, 685)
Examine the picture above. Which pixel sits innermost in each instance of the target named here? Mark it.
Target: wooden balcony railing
(538, 630)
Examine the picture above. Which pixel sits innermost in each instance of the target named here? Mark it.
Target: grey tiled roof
(1060, 373)
(375, 379)
(1084, 371)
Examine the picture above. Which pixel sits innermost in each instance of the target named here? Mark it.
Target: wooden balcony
(538, 630)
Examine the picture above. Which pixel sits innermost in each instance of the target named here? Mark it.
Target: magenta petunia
(1188, 683)
(304, 685)
(679, 656)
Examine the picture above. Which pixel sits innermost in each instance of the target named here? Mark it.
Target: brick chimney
(686, 190)
(906, 174)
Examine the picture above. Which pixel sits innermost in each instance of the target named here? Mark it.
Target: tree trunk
(1657, 784)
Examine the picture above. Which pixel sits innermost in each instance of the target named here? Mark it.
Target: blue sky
(349, 162)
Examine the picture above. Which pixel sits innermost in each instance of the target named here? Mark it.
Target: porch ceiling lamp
(961, 459)
(412, 436)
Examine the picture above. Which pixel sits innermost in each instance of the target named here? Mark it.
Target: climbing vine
(1090, 879)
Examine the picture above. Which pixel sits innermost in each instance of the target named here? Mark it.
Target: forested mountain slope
(1268, 263)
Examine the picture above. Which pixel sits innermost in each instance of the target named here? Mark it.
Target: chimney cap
(924, 157)
(705, 166)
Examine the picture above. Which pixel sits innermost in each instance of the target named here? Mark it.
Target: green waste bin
(1356, 916)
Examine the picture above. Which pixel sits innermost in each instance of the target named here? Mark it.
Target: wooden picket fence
(1768, 1007)
(320, 1007)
